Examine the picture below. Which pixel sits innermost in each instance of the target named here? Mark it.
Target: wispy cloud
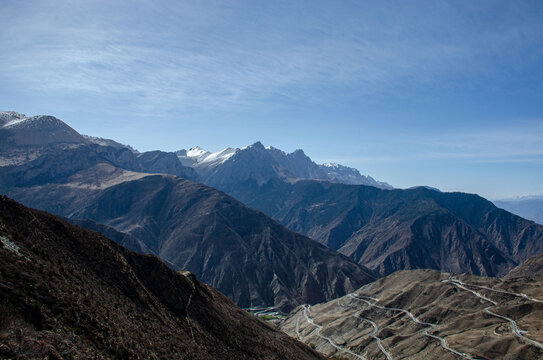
(171, 56)
(517, 143)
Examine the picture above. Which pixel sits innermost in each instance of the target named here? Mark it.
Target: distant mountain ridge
(529, 207)
(231, 165)
(390, 230)
(20, 130)
(26, 138)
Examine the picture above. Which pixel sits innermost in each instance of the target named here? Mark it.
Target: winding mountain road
(307, 308)
(442, 341)
(514, 325)
(522, 295)
(378, 339)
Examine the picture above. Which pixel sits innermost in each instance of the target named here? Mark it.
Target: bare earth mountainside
(531, 268)
(382, 229)
(71, 293)
(424, 314)
(390, 230)
(249, 257)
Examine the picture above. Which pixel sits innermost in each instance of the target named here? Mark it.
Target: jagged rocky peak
(299, 153)
(294, 165)
(256, 146)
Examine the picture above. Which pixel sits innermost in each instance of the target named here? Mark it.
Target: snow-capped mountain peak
(37, 130)
(219, 156)
(263, 161)
(198, 157)
(196, 152)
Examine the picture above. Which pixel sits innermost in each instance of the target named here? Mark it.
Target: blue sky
(446, 94)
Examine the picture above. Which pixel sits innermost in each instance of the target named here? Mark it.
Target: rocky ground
(424, 314)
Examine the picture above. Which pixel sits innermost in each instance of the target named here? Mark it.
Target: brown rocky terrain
(70, 293)
(247, 256)
(390, 230)
(531, 268)
(424, 314)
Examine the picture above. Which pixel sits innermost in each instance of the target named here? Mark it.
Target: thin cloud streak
(520, 144)
(189, 65)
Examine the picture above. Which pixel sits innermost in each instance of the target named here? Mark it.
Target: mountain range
(380, 228)
(389, 230)
(229, 167)
(246, 255)
(529, 207)
(266, 228)
(69, 293)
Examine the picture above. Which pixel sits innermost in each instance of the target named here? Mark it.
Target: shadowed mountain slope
(389, 230)
(246, 255)
(67, 292)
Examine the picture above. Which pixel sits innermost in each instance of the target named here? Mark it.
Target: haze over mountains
(271, 229)
(529, 207)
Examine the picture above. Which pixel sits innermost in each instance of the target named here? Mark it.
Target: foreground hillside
(72, 293)
(424, 314)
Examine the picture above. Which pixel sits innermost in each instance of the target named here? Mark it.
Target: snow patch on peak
(197, 152)
(34, 121)
(196, 156)
(7, 116)
(220, 156)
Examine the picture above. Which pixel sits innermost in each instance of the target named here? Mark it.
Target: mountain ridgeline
(226, 169)
(390, 230)
(249, 257)
(379, 229)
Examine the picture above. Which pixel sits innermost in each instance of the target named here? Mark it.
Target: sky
(447, 94)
